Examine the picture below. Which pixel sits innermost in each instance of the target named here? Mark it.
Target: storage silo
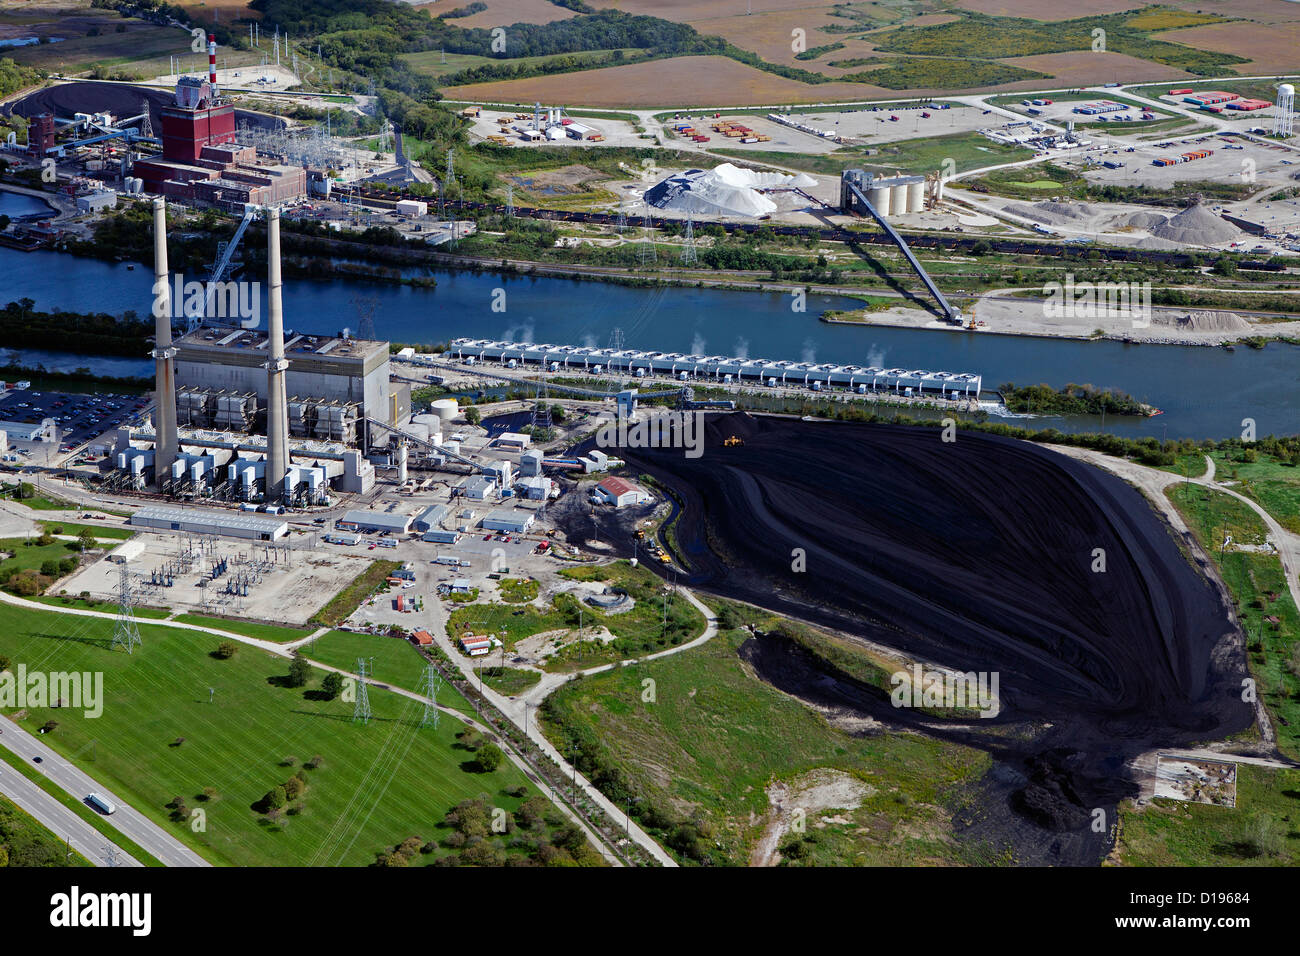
(878, 196)
(445, 409)
(898, 197)
(916, 195)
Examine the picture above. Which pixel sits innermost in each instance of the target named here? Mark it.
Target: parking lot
(81, 417)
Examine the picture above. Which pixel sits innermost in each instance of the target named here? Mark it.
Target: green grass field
(266, 632)
(393, 660)
(1258, 586)
(714, 738)
(1174, 833)
(378, 784)
(109, 532)
(1273, 484)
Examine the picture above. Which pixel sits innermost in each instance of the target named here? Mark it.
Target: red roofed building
(421, 638)
(620, 492)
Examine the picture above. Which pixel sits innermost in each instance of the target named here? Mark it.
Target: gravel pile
(1197, 226)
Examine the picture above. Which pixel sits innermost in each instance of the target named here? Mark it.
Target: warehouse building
(430, 518)
(619, 492)
(439, 536)
(374, 522)
(476, 488)
(511, 522)
(230, 524)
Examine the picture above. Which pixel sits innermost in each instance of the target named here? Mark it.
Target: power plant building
(201, 160)
(332, 381)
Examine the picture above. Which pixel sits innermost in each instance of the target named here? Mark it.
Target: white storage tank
(916, 196)
(898, 198)
(878, 196)
(445, 408)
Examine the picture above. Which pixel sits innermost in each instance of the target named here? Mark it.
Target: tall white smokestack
(212, 63)
(277, 398)
(164, 354)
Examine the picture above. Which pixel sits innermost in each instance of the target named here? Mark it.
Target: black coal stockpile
(983, 554)
(68, 99)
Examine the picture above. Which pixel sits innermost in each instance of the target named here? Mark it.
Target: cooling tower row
(897, 196)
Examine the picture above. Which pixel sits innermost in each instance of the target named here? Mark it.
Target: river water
(1204, 392)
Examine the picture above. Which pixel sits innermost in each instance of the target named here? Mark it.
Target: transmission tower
(429, 687)
(541, 408)
(645, 253)
(510, 200)
(126, 633)
(614, 383)
(690, 255)
(361, 709)
(621, 226)
(146, 126)
(366, 307)
(451, 167)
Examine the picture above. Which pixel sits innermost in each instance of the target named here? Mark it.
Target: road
(518, 710)
(147, 834)
(59, 820)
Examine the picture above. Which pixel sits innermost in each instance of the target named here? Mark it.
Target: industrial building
(201, 161)
(374, 522)
(620, 493)
(232, 524)
(431, 517)
(334, 380)
(476, 488)
(238, 382)
(717, 368)
(511, 522)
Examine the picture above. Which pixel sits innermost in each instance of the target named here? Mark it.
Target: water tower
(1284, 121)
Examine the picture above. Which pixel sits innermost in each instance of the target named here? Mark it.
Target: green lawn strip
(507, 680)
(1258, 586)
(697, 759)
(277, 633)
(1259, 831)
(129, 846)
(106, 607)
(99, 531)
(176, 721)
(340, 607)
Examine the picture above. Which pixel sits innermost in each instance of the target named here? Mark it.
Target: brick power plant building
(201, 161)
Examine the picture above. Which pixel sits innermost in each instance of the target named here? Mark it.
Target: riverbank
(998, 313)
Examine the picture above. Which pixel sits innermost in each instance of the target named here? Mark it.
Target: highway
(148, 835)
(60, 820)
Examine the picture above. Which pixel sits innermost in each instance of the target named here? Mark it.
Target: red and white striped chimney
(212, 62)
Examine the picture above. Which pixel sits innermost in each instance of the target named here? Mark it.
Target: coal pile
(983, 554)
(67, 99)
